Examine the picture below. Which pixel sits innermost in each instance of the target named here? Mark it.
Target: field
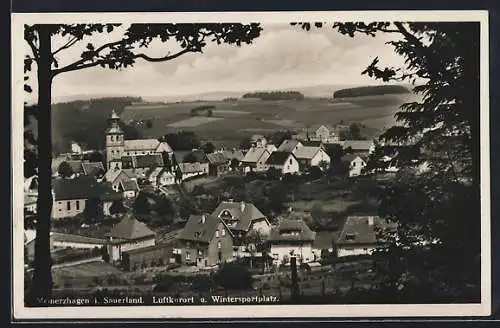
(231, 122)
(83, 275)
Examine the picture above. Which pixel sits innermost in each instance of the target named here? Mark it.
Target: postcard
(250, 165)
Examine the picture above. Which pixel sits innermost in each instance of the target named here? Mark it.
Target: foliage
(233, 277)
(190, 158)
(315, 172)
(439, 207)
(234, 163)
(149, 124)
(65, 170)
(204, 109)
(182, 140)
(278, 137)
(208, 148)
(275, 95)
(167, 161)
(370, 91)
(354, 133)
(246, 143)
(117, 207)
(93, 210)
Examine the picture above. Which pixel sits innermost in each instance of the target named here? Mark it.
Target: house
(128, 234)
(93, 169)
(292, 237)
(71, 196)
(255, 160)
(284, 162)
(290, 146)
(190, 170)
(205, 241)
(355, 163)
(150, 256)
(121, 181)
(76, 167)
(360, 235)
(258, 141)
(142, 163)
(324, 241)
(311, 156)
(161, 177)
(359, 147)
(217, 163)
(323, 132)
(63, 240)
(242, 217)
(234, 157)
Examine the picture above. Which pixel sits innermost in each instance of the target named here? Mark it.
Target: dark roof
(324, 239)
(63, 237)
(358, 230)
(144, 161)
(198, 231)
(130, 228)
(110, 194)
(82, 187)
(76, 166)
(310, 143)
(129, 184)
(217, 158)
(288, 145)
(350, 157)
(243, 218)
(292, 230)
(127, 162)
(92, 168)
(278, 158)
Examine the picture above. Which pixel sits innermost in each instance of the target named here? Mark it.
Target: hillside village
(144, 205)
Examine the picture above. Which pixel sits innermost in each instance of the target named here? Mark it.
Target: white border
(237, 311)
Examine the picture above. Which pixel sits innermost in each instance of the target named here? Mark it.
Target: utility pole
(295, 283)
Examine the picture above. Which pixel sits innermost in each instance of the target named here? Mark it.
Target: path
(69, 264)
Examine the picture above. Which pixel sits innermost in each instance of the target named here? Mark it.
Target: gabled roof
(358, 230)
(217, 158)
(311, 143)
(198, 154)
(234, 154)
(292, 230)
(141, 144)
(278, 158)
(145, 161)
(307, 152)
(254, 154)
(82, 187)
(198, 231)
(129, 185)
(241, 212)
(350, 157)
(288, 145)
(92, 168)
(357, 145)
(193, 167)
(130, 228)
(315, 127)
(164, 147)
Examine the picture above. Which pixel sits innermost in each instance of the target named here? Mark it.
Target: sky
(283, 57)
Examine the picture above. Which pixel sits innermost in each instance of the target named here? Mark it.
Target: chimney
(203, 218)
(242, 206)
(370, 220)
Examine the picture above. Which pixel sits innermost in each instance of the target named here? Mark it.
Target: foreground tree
(434, 201)
(122, 53)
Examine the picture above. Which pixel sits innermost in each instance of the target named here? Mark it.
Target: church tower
(115, 142)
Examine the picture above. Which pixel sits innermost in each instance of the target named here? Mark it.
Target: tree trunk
(42, 279)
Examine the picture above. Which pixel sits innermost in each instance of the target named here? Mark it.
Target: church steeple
(115, 141)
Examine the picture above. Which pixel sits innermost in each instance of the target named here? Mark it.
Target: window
(112, 138)
(350, 236)
(223, 231)
(200, 252)
(188, 256)
(365, 249)
(290, 161)
(217, 234)
(68, 205)
(219, 245)
(77, 205)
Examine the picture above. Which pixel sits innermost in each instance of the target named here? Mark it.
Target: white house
(324, 133)
(121, 181)
(285, 162)
(292, 237)
(161, 177)
(255, 159)
(356, 164)
(190, 170)
(62, 240)
(129, 234)
(311, 156)
(359, 235)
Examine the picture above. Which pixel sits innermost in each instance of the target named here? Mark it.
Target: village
(120, 212)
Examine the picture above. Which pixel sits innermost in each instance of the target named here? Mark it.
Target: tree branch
(68, 44)
(33, 48)
(165, 58)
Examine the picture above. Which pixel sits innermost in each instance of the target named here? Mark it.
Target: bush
(232, 276)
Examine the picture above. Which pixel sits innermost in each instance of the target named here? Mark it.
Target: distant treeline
(86, 121)
(370, 91)
(275, 95)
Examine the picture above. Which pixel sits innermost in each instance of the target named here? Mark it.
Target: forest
(370, 91)
(275, 95)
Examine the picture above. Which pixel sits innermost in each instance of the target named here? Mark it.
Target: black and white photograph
(218, 165)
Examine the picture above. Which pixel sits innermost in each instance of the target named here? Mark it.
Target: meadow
(230, 122)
